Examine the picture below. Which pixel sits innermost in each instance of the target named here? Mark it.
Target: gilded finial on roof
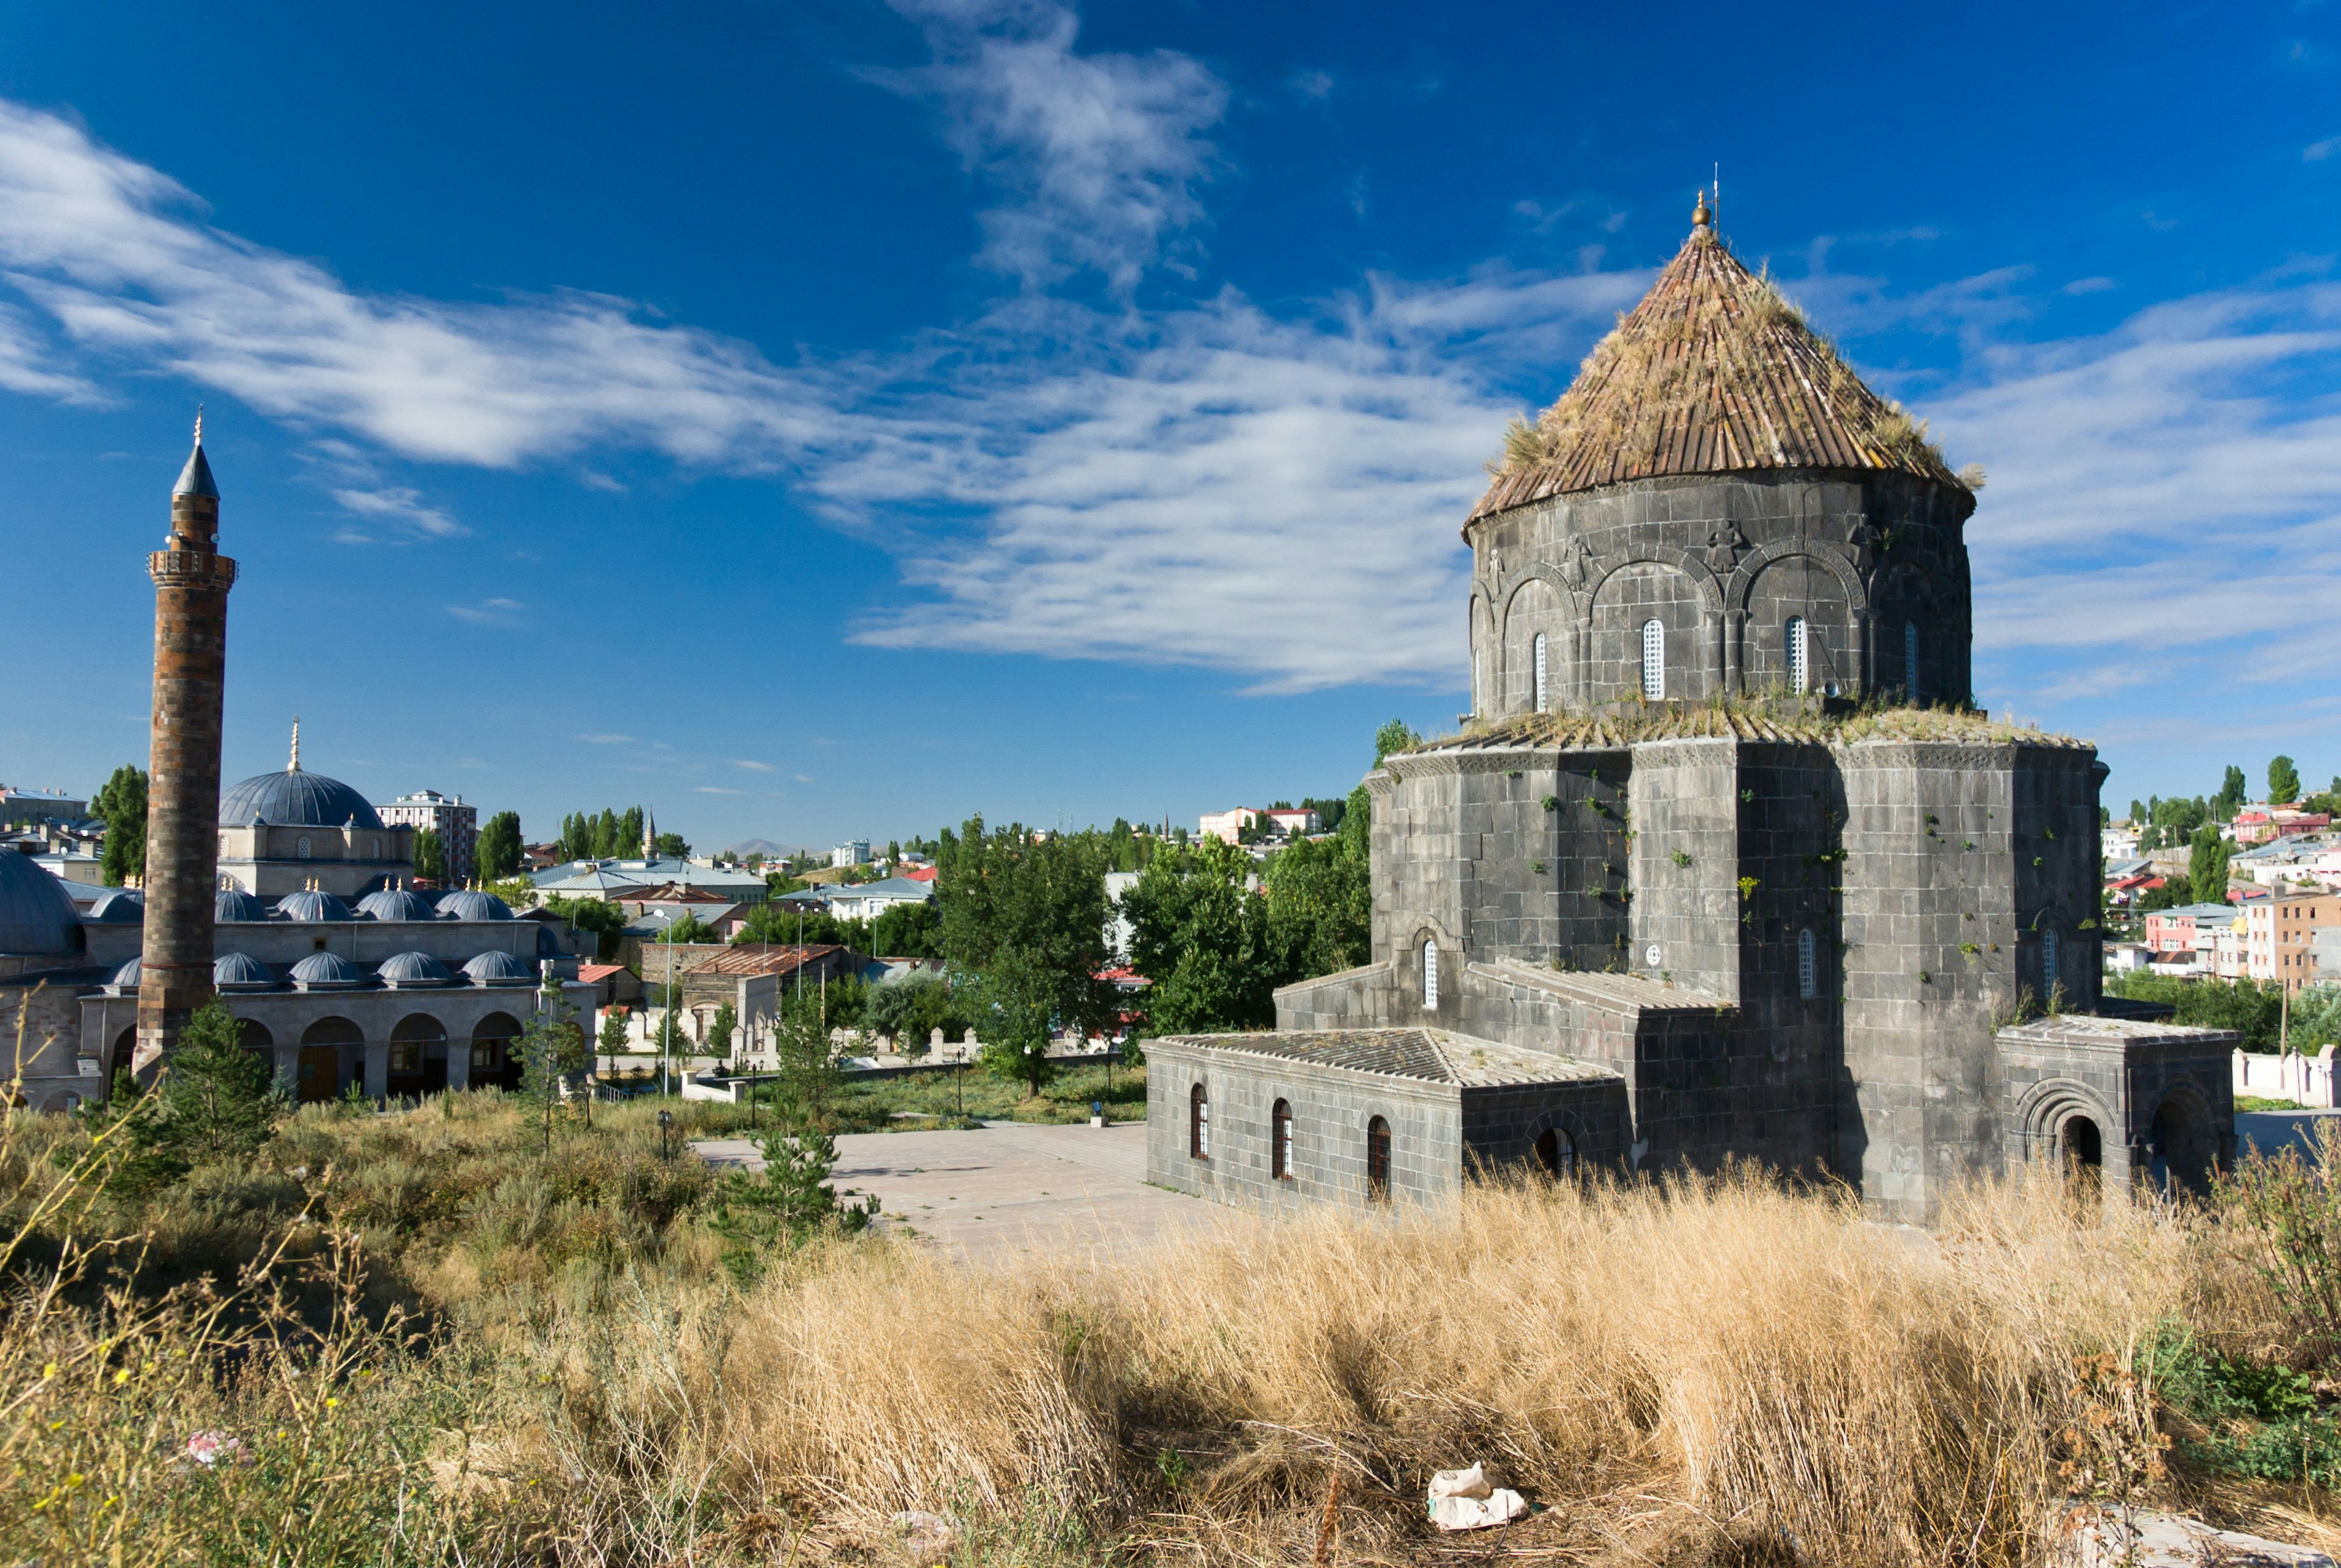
(1701, 217)
(295, 765)
(199, 424)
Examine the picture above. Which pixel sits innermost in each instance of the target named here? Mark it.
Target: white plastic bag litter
(1462, 1500)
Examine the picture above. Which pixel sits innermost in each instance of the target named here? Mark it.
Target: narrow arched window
(1377, 1161)
(1801, 663)
(1543, 704)
(1654, 660)
(1556, 1152)
(1809, 965)
(1199, 1122)
(301, 848)
(2049, 959)
(1430, 975)
(1910, 660)
(1279, 1141)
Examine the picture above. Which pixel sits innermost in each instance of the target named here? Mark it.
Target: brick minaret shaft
(191, 579)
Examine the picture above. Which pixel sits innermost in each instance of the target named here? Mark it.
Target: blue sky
(846, 417)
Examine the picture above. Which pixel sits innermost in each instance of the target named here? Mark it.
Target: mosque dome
(36, 913)
(325, 971)
(236, 907)
(500, 969)
(241, 972)
(406, 969)
(127, 978)
(116, 907)
(470, 903)
(311, 904)
(296, 798)
(397, 903)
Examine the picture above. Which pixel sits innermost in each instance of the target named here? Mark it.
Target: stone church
(1724, 862)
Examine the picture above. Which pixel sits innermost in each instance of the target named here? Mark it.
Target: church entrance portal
(2082, 1149)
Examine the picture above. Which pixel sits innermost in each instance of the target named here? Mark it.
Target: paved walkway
(1003, 1189)
(2272, 1131)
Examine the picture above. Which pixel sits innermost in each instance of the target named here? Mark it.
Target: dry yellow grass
(1712, 1368)
(1712, 1371)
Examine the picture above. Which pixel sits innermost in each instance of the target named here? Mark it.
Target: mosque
(1723, 863)
(285, 895)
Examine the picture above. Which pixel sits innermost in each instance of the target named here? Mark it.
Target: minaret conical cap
(1712, 372)
(196, 478)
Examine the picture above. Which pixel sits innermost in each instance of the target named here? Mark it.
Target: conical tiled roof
(1713, 373)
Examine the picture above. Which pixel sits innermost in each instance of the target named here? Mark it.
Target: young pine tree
(551, 1047)
(214, 1101)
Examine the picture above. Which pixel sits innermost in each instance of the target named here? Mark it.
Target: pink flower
(209, 1448)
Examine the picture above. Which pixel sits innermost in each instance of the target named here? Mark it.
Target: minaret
(191, 579)
(650, 834)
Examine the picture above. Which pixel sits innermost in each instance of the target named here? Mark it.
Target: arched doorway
(418, 1056)
(2081, 1149)
(2178, 1145)
(125, 1051)
(1555, 1154)
(496, 1052)
(332, 1050)
(1377, 1161)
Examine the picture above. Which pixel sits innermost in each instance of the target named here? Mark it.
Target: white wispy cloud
(607, 740)
(489, 612)
(1096, 158)
(752, 766)
(118, 256)
(403, 506)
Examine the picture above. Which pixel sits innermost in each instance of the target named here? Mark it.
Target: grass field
(427, 1337)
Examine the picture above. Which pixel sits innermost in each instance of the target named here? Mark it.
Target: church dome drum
(500, 969)
(241, 972)
(236, 907)
(402, 970)
(397, 903)
(326, 972)
(470, 903)
(36, 914)
(311, 904)
(296, 798)
(1717, 508)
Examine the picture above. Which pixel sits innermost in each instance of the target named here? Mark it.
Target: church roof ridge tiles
(1712, 372)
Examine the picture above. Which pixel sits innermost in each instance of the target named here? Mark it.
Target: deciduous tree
(499, 851)
(123, 805)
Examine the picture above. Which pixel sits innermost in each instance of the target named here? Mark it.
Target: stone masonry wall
(1723, 563)
(1331, 1109)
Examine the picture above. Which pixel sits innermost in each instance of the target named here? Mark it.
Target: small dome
(470, 903)
(241, 972)
(311, 904)
(236, 907)
(404, 969)
(397, 903)
(36, 913)
(548, 945)
(321, 970)
(126, 978)
(116, 907)
(296, 798)
(500, 969)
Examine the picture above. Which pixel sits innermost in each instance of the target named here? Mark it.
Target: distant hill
(763, 846)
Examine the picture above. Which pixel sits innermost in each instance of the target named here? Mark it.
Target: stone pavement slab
(1005, 1189)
